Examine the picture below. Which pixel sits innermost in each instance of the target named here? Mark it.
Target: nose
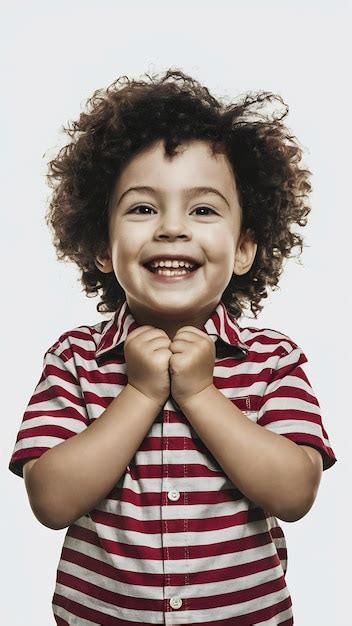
(173, 224)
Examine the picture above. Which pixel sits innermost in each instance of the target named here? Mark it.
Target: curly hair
(130, 115)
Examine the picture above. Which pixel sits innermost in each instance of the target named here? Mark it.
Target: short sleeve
(55, 412)
(289, 406)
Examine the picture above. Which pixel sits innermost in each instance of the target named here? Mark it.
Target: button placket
(171, 496)
(165, 488)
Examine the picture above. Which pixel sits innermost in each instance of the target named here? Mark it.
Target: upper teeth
(169, 263)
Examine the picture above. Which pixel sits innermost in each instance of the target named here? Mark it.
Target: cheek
(130, 232)
(126, 248)
(219, 242)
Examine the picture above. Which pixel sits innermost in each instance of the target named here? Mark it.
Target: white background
(55, 54)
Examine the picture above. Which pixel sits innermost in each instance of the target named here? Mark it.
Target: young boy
(170, 440)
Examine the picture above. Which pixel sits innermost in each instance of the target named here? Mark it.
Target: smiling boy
(169, 439)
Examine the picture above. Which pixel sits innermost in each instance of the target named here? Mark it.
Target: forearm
(70, 479)
(269, 469)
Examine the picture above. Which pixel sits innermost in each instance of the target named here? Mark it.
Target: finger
(146, 330)
(192, 329)
(190, 335)
(180, 345)
(158, 342)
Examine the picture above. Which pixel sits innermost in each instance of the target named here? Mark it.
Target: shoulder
(82, 339)
(267, 339)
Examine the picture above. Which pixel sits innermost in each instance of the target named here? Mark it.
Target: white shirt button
(173, 495)
(175, 602)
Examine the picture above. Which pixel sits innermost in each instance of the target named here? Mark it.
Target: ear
(245, 252)
(103, 261)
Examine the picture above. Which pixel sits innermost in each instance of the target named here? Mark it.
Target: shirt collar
(223, 330)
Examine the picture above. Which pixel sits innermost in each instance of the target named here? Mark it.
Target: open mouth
(171, 271)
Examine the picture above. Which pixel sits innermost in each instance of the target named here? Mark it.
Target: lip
(170, 279)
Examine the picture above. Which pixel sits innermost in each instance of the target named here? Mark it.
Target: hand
(191, 365)
(147, 358)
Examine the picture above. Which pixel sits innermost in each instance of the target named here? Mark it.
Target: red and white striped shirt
(174, 542)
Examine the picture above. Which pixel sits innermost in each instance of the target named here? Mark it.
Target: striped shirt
(174, 542)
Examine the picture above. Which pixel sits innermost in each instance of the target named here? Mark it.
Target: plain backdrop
(54, 56)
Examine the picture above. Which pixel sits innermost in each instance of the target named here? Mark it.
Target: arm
(70, 479)
(273, 472)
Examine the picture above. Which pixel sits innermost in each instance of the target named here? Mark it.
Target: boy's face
(175, 224)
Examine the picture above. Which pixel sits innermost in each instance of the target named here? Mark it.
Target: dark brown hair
(130, 115)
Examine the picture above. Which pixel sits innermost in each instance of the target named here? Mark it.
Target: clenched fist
(147, 357)
(191, 364)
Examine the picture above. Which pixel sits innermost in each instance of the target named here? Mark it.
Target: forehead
(194, 164)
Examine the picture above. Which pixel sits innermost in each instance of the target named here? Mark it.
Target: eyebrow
(189, 192)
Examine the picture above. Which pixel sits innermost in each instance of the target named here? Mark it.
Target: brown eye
(144, 206)
(204, 207)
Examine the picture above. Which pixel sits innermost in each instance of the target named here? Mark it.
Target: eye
(144, 206)
(198, 208)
